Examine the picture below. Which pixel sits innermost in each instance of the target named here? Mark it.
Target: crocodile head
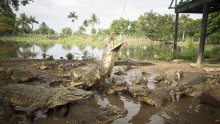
(66, 95)
(107, 60)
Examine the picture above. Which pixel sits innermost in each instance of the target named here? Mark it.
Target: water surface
(36, 51)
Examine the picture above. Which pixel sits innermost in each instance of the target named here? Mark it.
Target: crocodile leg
(32, 108)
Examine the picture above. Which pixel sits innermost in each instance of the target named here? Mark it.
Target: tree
(156, 26)
(120, 26)
(193, 28)
(213, 30)
(166, 27)
(6, 24)
(23, 23)
(134, 28)
(104, 32)
(67, 31)
(72, 16)
(86, 23)
(7, 7)
(93, 21)
(183, 22)
(44, 29)
(82, 29)
(150, 23)
(32, 21)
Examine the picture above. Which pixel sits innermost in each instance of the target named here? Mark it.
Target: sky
(55, 12)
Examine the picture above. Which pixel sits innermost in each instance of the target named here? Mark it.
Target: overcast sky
(55, 12)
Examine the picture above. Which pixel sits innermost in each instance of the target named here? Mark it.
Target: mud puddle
(139, 113)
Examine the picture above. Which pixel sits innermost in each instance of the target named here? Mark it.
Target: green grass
(84, 40)
(213, 54)
(68, 40)
(189, 53)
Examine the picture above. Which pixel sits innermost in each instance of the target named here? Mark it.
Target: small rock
(210, 69)
(43, 67)
(177, 60)
(194, 65)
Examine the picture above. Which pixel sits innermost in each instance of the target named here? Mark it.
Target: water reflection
(115, 101)
(144, 114)
(132, 105)
(27, 51)
(39, 51)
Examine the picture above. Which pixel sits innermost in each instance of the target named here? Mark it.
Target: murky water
(141, 113)
(36, 51)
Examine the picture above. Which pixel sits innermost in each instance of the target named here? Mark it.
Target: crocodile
(74, 74)
(103, 68)
(88, 58)
(170, 77)
(197, 86)
(157, 97)
(17, 74)
(82, 113)
(48, 64)
(31, 98)
(171, 116)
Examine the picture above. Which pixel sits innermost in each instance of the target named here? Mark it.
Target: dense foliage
(44, 29)
(66, 31)
(7, 15)
(161, 27)
(214, 27)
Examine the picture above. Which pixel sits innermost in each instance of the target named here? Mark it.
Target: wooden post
(176, 32)
(203, 33)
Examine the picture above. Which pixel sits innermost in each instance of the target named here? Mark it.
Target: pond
(36, 51)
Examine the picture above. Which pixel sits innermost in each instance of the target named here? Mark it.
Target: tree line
(150, 25)
(161, 27)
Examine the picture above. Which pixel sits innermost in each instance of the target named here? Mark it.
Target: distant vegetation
(150, 25)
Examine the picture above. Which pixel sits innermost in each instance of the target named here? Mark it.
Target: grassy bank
(51, 39)
(85, 40)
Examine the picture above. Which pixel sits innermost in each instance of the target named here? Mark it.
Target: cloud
(55, 12)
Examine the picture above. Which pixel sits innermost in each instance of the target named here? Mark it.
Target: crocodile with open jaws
(102, 69)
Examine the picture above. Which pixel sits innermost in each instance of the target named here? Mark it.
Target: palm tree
(93, 20)
(85, 23)
(72, 16)
(32, 21)
(23, 22)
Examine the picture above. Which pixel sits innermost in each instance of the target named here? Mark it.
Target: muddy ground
(133, 94)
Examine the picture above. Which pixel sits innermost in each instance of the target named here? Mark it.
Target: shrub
(189, 52)
(50, 58)
(69, 56)
(166, 55)
(215, 53)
